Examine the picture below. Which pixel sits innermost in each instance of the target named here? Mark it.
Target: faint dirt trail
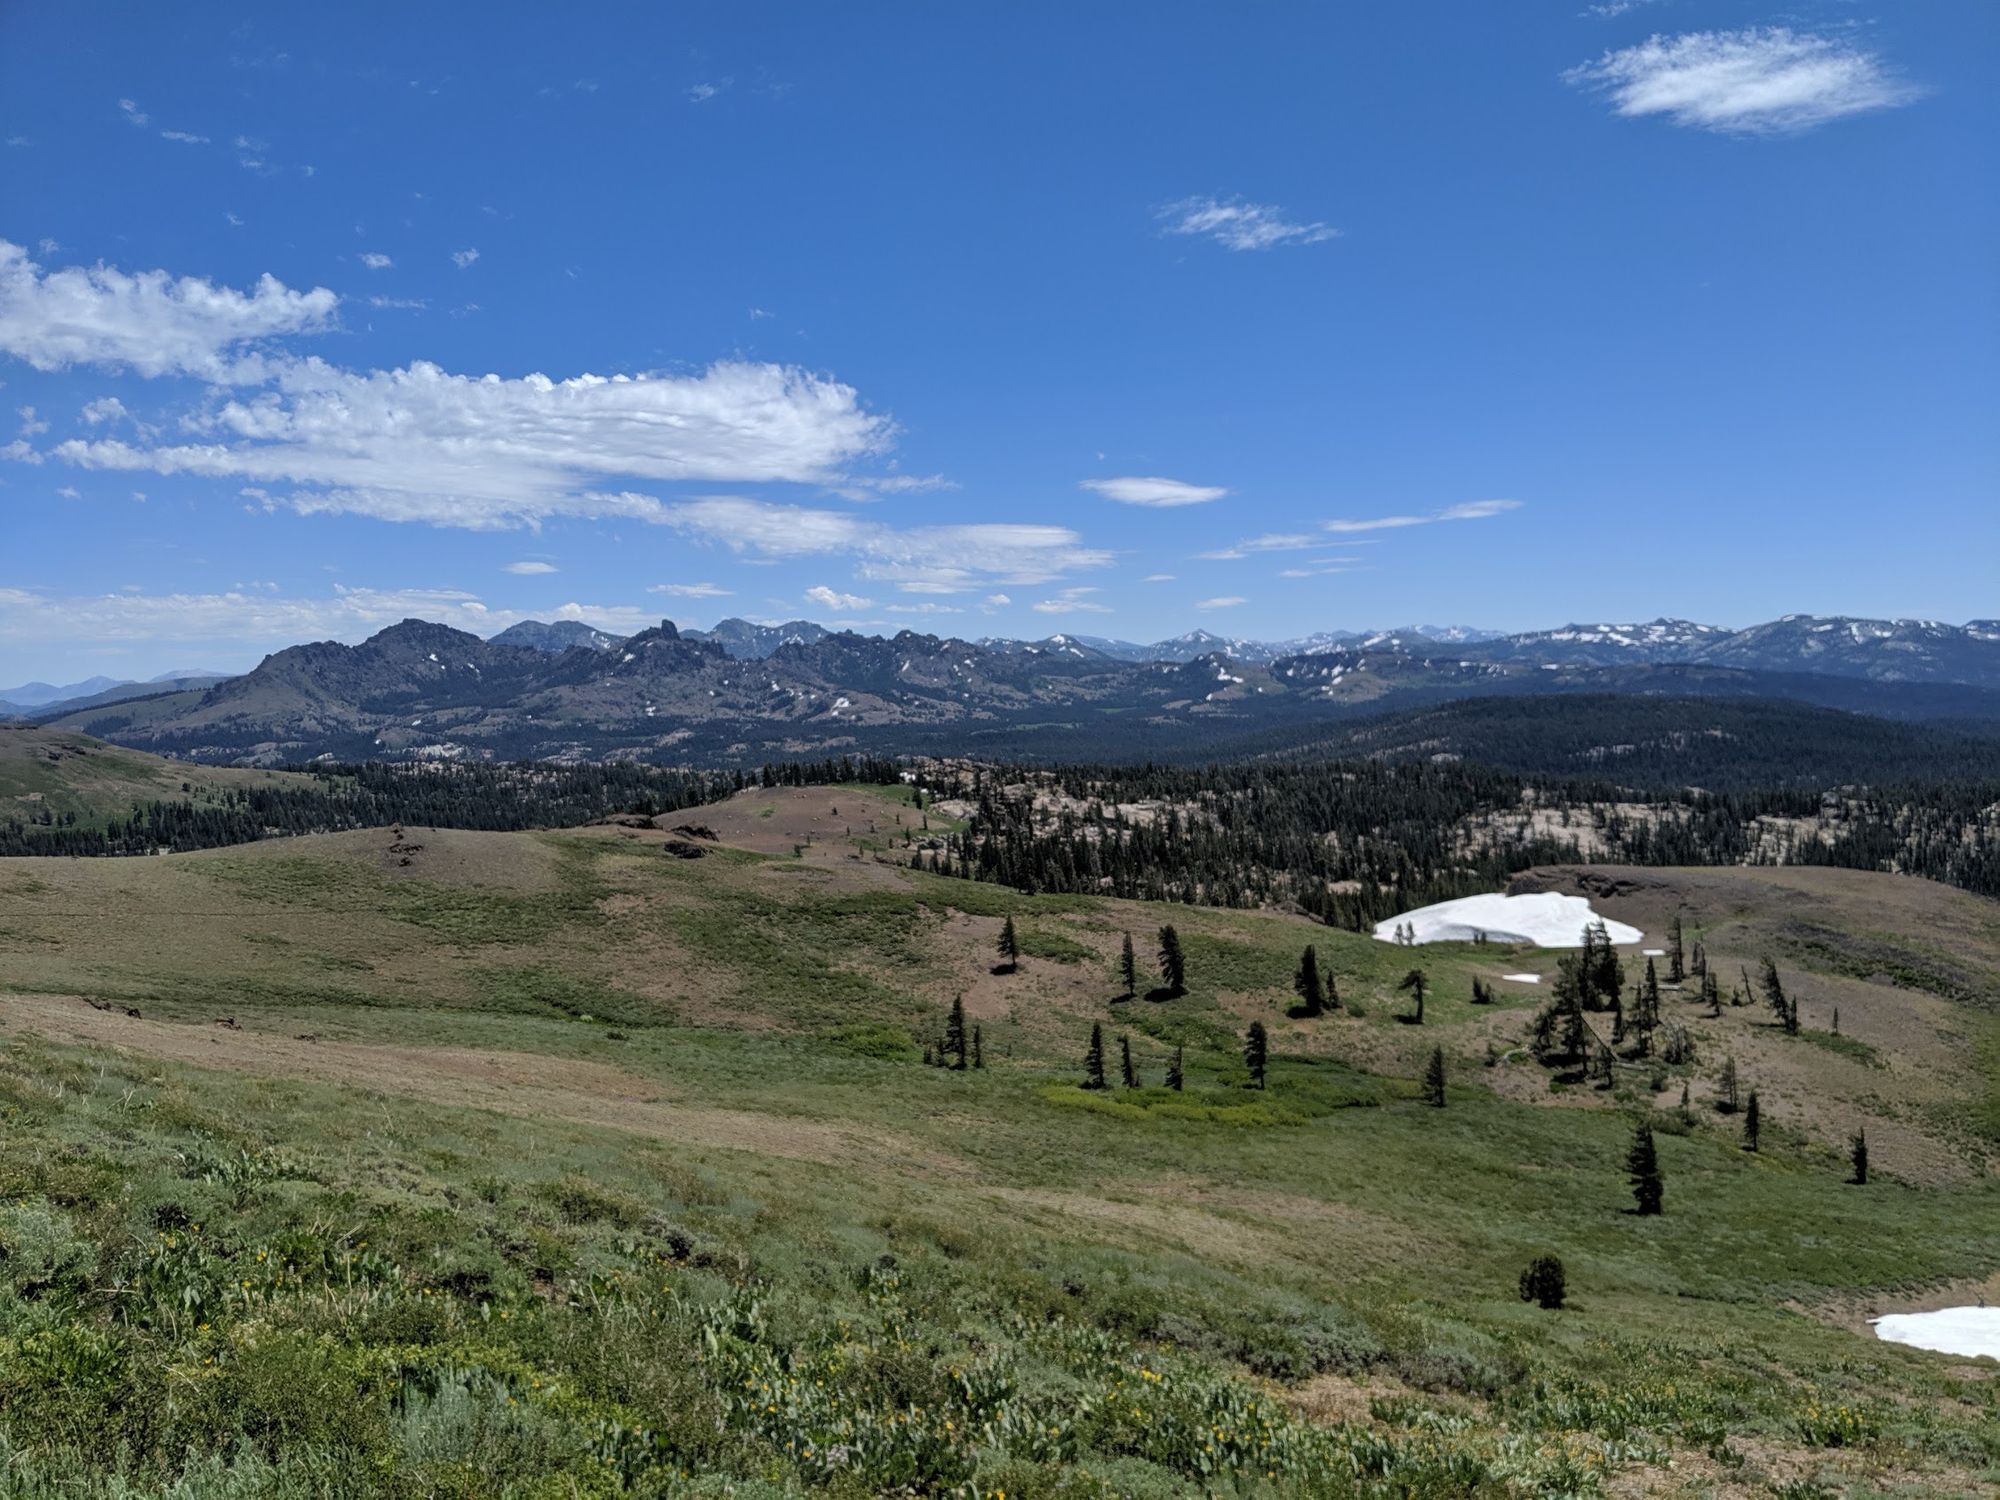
(522, 1084)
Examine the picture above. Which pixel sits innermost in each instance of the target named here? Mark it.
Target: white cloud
(48, 246)
(923, 609)
(133, 114)
(918, 560)
(69, 492)
(104, 409)
(1270, 541)
(374, 260)
(701, 93)
(464, 258)
(1071, 601)
(1158, 578)
(252, 619)
(691, 590)
(185, 137)
(1758, 81)
(1472, 510)
(149, 323)
(31, 424)
(1238, 225)
(1156, 492)
(1225, 601)
(420, 444)
(531, 567)
(827, 598)
(997, 601)
(412, 304)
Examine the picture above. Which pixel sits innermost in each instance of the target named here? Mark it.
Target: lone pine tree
(1753, 1122)
(1676, 963)
(978, 1048)
(1307, 986)
(955, 1034)
(1174, 1072)
(1418, 983)
(1173, 963)
(1434, 1080)
(1543, 1283)
(1725, 1088)
(1256, 1052)
(1642, 1166)
(1127, 1072)
(1128, 966)
(1009, 946)
(1093, 1060)
(1857, 1158)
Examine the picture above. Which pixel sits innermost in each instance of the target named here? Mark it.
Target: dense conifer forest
(1351, 843)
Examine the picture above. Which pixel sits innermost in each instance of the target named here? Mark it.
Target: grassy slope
(622, 1131)
(60, 771)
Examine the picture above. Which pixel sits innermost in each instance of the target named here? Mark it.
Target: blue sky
(1113, 319)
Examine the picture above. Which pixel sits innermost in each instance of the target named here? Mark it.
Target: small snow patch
(1972, 1331)
(1652, 953)
(1523, 978)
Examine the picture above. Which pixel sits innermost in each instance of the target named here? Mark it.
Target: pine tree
(1174, 1072)
(1128, 966)
(1126, 1070)
(1857, 1158)
(1687, 1107)
(1332, 990)
(1725, 1099)
(954, 1034)
(1418, 983)
(1836, 1020)
(1786, 1009)
(1642, 1165)
(1256, 1052)
(1676, 971)
(1699, 963)
(1173, 963)
(1543, 1282)
(1434, 1079)
(1306, 984)
(1009, 946)
(1711, 994)
(1093, 1060)
(1752, 1122)
(978, 1048)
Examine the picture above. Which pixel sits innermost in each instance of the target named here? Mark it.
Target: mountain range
(567, 691)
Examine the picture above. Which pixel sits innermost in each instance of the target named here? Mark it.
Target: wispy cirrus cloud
(1758, 81)
(1239, 225)
(530, 567)
(1154, 491)
(1071, 601)
(374, 260)
(691, 590)
(1472, 510)
(1225, 601)
(1270, 541)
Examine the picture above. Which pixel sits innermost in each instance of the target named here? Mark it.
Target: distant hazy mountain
(71, 701)
(32, 694)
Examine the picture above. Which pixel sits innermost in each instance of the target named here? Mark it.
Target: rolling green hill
(606, 1161)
